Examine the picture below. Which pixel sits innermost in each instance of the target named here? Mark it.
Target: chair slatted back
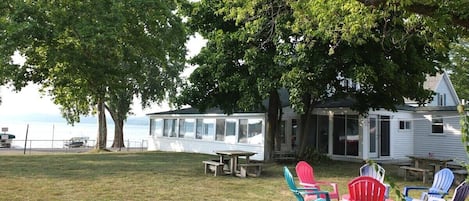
(366, 188)
(305, 172)
(461, 192)
(441, 183)
(373, 170)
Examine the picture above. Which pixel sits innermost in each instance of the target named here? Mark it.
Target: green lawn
(151, 176)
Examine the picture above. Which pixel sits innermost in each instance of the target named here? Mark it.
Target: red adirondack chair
(305, 174)
(365, 188)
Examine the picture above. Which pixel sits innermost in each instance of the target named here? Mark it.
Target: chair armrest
(308, 189)
(319, 194)
(317, 184)
(407, 188)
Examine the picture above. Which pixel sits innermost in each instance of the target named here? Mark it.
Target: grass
(151, 176)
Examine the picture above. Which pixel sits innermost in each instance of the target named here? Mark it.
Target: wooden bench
(214, 166)
(424, 172)
(250, 169)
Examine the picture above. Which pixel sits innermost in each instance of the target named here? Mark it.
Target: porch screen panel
(187, 128)
(208, 129)
(373, 132)
(352, 135)
(294, 131)
(156, 127)
(243, 131)
(230, 132)
(339, 137)
(169, 128)
(199, 126)
(220, 130)
(323, 134)
(282, 132)
(255, 131)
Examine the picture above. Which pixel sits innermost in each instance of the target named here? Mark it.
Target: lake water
(54, 134)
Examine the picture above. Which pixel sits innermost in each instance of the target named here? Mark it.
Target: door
(385, 136)
(373, 130)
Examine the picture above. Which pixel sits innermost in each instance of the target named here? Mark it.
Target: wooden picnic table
(234, 158)
(428, 161)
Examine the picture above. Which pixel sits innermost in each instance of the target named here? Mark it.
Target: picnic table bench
(214, 166)
(250, 169)
(408, 169)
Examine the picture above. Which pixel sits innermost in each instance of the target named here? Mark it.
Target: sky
(30, 101)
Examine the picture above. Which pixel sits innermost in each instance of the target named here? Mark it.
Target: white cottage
(336, 130)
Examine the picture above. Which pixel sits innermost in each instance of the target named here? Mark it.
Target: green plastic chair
(302, 194)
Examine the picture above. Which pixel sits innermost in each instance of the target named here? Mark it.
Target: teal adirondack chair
(441, 184)
(303, 194)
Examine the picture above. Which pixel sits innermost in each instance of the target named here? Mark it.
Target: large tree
(89, 55)
(459, 67)
(269, 44)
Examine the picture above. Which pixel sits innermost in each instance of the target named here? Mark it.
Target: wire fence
(41, 146)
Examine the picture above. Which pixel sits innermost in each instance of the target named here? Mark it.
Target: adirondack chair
(460, 193)
(442, 182)
(303, 194)
(365, 188)
(305, 174)
(376, 171)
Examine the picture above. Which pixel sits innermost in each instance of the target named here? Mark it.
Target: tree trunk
(304, 125)
(102, 127)
(118, 134)
(272, 124)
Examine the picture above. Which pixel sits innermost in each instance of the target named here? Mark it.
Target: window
(205, 129)
(187, 128)
(404, 125)
(230, 132)
(243, 131)
(169, 128)
(282, 132)
(441, 99)
(255, 131)
(294, 129)
(437, 124)
(220, 135)
(156, 127)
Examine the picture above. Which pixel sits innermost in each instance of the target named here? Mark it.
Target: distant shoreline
(38, 151)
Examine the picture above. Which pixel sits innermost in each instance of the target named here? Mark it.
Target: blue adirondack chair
(303, 194)
(441, 184)
(460, 193)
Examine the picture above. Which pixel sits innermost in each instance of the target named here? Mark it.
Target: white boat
(5, 140)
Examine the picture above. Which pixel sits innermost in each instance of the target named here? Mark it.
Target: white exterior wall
(192, 145)
(444, 87)
(448, 144)
(201, 146)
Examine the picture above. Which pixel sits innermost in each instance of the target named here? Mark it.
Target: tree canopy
(377, 55)
(91, 53)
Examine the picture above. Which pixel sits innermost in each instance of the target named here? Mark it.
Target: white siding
(447, 144)
(201, 146)
(401, 140)
(444, 88)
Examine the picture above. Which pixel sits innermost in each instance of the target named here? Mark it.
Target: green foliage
(464, 122)
(89, 52)
(313, 156)
(459, 67)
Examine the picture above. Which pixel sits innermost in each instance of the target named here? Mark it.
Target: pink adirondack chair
(366, 188)
(305, 174)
